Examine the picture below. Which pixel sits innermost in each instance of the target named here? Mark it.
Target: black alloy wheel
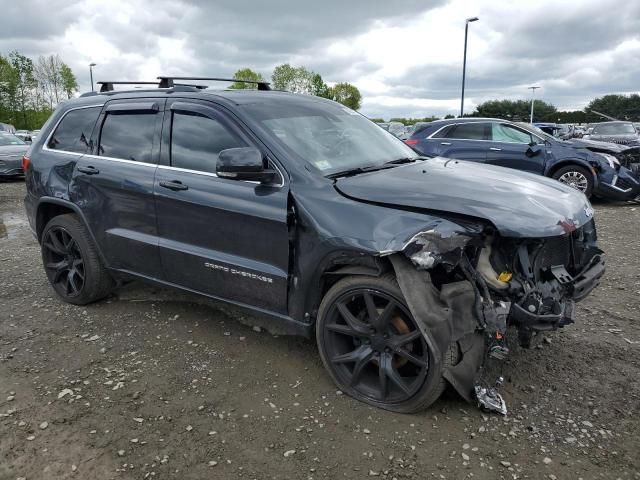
(373, 348)
(72, 262)
(63, 262)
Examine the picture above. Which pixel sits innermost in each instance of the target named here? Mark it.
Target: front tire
(72, 263)
(372, 347)
(576, 177)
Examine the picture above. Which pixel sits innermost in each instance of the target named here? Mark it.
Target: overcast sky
(404, 56)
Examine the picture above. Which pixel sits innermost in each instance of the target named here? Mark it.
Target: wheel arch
(50, 207)
(568, 162)
(334, 268)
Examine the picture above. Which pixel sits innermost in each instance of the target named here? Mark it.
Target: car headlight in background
(613, 161)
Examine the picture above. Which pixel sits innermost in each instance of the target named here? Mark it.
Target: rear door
(464, 141)
(222, 237)
(511, 147)
(113, 184)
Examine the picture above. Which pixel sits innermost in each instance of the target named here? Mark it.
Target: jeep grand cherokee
(407, 269)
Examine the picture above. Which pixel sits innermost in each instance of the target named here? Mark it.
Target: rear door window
(469, 131)
(74, 131)
(128, 136)
(196, 141)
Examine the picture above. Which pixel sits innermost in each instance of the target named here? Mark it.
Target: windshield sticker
(322, 164)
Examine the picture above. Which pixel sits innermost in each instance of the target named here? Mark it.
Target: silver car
(11, 151)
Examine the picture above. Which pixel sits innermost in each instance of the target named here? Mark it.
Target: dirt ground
(151, 383)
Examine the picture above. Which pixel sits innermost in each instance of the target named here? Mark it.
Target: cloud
(405, 56)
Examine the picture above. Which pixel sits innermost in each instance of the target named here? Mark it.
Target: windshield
(614, 129)
(6, 139)
(329, 136)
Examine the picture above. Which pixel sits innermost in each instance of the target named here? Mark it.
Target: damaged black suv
(409, 270)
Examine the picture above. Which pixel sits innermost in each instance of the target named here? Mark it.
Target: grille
(555, 251)
(624, 184)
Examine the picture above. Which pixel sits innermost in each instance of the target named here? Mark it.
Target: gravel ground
(152, 383)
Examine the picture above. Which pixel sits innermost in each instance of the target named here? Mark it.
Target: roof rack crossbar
(168, 82)
(108, 86)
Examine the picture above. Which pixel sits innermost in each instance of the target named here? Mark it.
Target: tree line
(30, 90)
(622, 107)
(301, 80)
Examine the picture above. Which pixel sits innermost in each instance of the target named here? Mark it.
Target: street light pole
(91, 65)
(464, 60)
(533, 90)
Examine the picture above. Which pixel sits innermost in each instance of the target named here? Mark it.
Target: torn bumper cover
(467, 289)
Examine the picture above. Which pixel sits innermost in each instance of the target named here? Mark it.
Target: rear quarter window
(74, 130)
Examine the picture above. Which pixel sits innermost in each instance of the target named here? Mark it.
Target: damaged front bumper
(468, 289)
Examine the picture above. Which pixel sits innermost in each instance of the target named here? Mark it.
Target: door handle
(495, 149)
(174, 185)
(90, 170)
(445, 143)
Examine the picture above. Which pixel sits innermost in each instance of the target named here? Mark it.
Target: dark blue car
(504, 143)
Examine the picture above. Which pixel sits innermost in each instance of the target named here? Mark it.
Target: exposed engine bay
(478, 286)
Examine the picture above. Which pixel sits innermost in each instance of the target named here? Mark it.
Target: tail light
(26, 161)
(411, 141)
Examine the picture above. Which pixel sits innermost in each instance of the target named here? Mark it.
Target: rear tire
(72, 263)
(372, 347)
(576, 177)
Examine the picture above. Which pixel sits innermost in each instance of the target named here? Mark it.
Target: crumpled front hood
(518, 204)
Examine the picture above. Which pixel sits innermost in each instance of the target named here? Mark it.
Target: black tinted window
(128, 136)
(443, 132)
(196, 142)
(468, 131)
(74, 131)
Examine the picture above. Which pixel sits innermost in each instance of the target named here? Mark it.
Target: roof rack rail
(168, 82)
(108, 86)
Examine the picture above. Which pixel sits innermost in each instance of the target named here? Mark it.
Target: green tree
(69, 82)
(246, 74)
(25, 83)
(448, 116)
(347, 94)
(292, 79)
(517, 110)
(8, 92)
(622, 107)
(318, 87)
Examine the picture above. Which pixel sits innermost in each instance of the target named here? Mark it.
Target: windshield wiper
(358, 170)
(400, 161)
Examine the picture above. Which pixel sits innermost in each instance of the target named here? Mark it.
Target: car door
(514, 147)
(113, 184)
(464, 141)
(223, 237)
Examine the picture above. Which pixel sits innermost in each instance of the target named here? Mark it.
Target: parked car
(23, 135)
(500, 142)
(396, 128)
(623, 133)
(11, 151)
(7, 128)
(406, 269)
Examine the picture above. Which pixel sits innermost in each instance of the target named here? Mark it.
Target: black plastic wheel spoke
(58, 242)
(62, 265)
(72, 282)
(383, 365)
(395, 377)
(53, 244)
(372, 311)
(352, 356)
(384, 318)
(411, 357)
(365, 358)
(399, 340)
(343, 329)
(352, 321)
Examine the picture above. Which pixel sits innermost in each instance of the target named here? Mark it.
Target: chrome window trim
(210, 174)
(431, 137)
(121, 160)
(55, 127)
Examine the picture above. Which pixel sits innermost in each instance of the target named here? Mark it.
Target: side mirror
(533, 150)
(245, 163)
